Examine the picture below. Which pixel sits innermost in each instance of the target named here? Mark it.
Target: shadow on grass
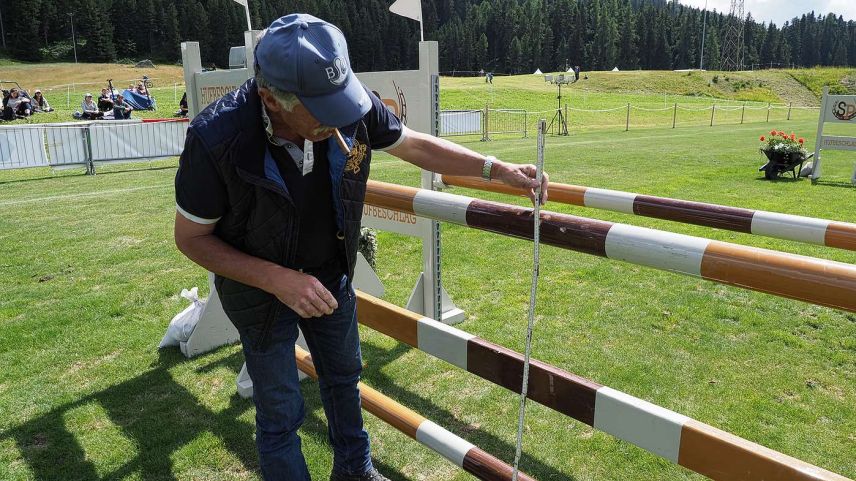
(97, 172)
(820, 183)
(782, 179)
(131, 171)
(155, 413)
(502, 448)
(36, 179)
(159, 416)
(835, 183)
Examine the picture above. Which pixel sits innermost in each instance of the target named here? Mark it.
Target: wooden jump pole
(841, 235)
(680, 439)
(822, 282)
(462, 453)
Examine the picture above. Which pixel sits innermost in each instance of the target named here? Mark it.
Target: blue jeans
(335, 346)
(120, 114)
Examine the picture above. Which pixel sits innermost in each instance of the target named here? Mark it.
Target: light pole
(73, 42)
(703, 31)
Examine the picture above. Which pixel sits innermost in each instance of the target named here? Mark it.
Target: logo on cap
(338, 72)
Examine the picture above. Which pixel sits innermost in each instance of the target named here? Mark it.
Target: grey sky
(780, 11)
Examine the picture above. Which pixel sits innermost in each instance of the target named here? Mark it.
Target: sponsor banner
(840, 109)
(407, 93)
(394, 221)
(210, 86)
(838, 143)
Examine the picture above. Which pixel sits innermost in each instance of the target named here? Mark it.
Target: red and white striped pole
(459, 451)
(822, 282)
(841, 235)
(692, 444)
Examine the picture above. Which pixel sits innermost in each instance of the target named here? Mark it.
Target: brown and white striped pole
(817, 281)
(841, 235)
(431, 435)
(692, 444)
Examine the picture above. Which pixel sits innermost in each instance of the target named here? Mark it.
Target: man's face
(298, 121)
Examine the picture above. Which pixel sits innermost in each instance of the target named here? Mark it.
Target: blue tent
(139, 102)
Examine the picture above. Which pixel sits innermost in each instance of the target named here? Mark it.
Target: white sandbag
(182, 325)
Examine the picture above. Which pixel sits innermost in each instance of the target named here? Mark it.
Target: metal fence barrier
(85, 143)
(506, 121)
(488, 121)
(22, 146)
(460, 122)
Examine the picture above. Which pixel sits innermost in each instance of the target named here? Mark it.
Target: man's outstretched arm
(444, 157)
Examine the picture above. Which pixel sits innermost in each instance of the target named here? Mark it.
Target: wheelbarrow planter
(780, 162)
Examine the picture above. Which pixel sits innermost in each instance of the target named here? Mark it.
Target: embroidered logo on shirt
(355, 157)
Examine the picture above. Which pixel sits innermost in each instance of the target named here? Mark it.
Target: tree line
(506, 36)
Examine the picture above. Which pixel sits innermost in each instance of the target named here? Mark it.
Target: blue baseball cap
(308, 57)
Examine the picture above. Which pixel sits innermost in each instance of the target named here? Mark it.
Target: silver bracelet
(488, 165)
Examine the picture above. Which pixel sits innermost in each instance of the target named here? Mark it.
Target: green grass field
(652, 94)
(90, 279)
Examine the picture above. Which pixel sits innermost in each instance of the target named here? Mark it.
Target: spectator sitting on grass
(90, 108)
(182, 106)
(18, 104)
(40, 103)
(121, 109)
(141, 89)
(105, 102)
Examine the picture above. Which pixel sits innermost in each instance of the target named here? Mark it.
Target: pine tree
(168, 38)
(97, 30)
(22, 31)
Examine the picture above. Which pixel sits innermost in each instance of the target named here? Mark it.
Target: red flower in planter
(773, 132)
(793, 136)
(801, 140)
(763, 138)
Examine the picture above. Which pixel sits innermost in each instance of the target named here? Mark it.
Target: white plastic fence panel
(460, 122)
(118, 141)
(22, 147)
(66, 143)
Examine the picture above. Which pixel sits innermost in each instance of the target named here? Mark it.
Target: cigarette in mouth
(341, 141)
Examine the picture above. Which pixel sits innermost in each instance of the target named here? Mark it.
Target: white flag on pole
(407, 8)
(246, 6)
(410, 9)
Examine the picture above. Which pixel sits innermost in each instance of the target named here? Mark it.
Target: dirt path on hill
(789, 90)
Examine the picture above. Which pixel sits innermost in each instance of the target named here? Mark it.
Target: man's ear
(271, 104)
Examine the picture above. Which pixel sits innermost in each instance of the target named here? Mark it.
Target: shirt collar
(269, 128)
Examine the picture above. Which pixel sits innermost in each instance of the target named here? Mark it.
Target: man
(267, 200)
(121, 109)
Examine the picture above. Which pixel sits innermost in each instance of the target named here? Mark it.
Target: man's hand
(521, 176)
(302, 293)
